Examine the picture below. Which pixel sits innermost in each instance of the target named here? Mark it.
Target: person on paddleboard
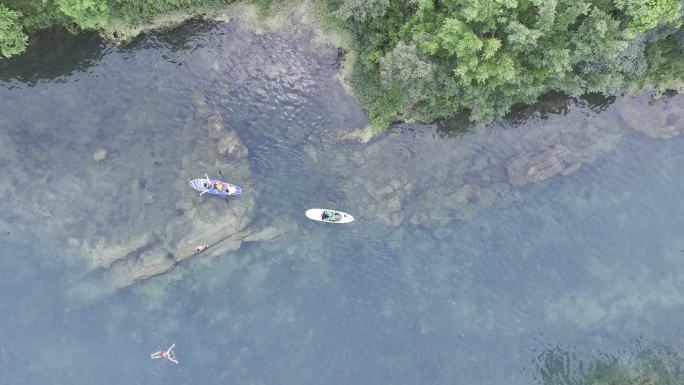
(330, 216)
(168, 354)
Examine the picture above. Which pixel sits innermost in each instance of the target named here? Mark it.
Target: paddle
(219, 170)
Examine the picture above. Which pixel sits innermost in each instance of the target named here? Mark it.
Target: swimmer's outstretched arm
(171, 355)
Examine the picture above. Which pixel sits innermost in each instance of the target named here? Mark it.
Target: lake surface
(460, 272)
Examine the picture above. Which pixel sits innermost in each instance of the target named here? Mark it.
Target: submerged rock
(147, 230)
(387, 200)
(215, 126)
(265, 234)
(106, 254)
(659, 119)
(228, 142)
(410, 176)
(557, 148)
(550, 161)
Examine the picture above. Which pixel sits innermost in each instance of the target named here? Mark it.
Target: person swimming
(168, 354)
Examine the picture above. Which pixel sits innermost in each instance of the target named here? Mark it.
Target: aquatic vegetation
(645, 364)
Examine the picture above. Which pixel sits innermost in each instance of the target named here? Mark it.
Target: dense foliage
(12, 38)
(19, 17)
(425, 59)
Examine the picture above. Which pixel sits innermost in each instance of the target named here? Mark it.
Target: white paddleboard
(333, 216)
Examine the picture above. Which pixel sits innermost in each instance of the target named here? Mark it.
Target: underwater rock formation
(113, 171)
(411, 175)
(228, 142)
(124, 213)
(662, 118)
(386, 199)
(561, 147)
(550, 161)
(147, 246)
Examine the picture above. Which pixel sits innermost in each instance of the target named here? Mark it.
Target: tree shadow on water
(56, 53)
(552, 103)
(53, 54)
(558, 103)
(454, 126)
(643, 364)
(189, 35)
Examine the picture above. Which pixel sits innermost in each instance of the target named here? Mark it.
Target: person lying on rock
(201, 248)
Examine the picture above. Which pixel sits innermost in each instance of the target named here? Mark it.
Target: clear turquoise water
(586, 262)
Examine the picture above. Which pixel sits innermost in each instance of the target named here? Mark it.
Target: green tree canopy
(486, 56)
(647, 14)
(86, 14)
(13, 40)
(425, 59)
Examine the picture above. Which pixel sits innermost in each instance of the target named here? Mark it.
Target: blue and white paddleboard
(215, 187)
